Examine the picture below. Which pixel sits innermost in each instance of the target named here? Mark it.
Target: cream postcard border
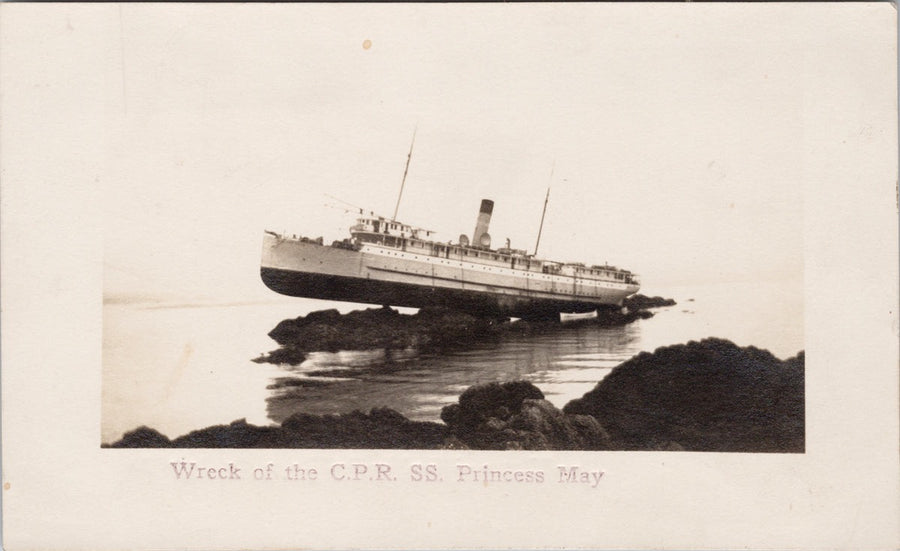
(62, 491)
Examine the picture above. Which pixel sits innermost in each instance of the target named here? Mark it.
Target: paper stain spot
(6, 486)
(367, 44)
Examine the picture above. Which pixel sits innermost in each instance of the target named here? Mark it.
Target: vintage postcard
(449, 276)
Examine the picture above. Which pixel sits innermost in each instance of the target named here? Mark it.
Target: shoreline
(709, 395)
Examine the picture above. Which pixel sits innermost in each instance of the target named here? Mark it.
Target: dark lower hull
(371, 291)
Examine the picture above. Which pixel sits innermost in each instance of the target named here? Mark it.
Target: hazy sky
(675, 141)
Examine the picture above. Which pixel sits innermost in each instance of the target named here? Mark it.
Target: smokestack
(481, 237)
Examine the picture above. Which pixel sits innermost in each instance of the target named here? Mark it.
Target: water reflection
(565, 362)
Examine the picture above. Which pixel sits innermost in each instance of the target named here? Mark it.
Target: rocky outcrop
(329, 330)
(290, 354)
(382, 428)
(373, 328)
(641, 302)
(429, 329)
(143, 437)
(493, 416)
(515, 416)
(702, 396)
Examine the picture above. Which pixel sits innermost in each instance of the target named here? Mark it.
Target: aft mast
(541, 228)
(403, 182)
(546, 199)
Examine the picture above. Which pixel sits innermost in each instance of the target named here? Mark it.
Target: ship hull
(394, 278)
(367, 291)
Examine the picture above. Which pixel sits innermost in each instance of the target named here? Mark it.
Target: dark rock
(429, 330)
(703, 396)
(510, 415)
(238, 434)
(515, 415)
(454, 443)
(450, 414)
(328, 330)
(558, 430)
(615, 318)
(142, 437)
(285, 355)
(381, 428)
(342, 373)
(323, 316)
(482, 402)
(591, 431)
(293, 382)
(640, 302)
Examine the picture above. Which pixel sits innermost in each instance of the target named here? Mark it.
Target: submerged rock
(702, 396)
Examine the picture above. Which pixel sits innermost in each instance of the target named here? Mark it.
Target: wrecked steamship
(386, 262)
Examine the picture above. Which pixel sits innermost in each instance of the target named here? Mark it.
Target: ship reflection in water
(564, 362)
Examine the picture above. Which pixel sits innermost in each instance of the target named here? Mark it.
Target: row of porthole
(427, 259)
(397, 268)
(485, 268)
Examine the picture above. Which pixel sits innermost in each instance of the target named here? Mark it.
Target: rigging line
(360, 209)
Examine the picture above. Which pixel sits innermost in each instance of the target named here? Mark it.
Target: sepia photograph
(426, 276)
(405, 238)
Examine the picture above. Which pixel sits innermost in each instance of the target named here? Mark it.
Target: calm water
(180, 368)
